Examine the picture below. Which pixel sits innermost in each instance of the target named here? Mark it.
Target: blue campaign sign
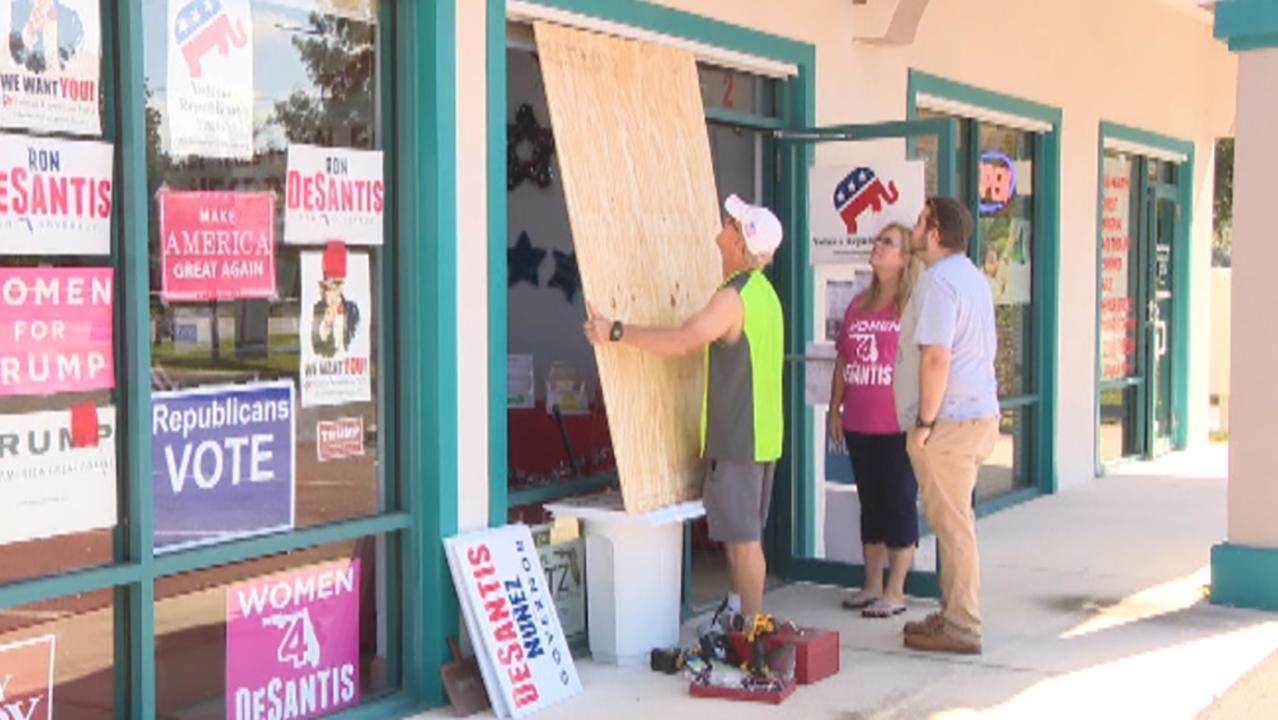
(222, 463)
(838, 467)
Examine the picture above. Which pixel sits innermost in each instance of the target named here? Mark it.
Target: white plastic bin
(634, 570)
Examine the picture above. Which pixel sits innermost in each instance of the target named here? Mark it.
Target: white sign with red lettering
(333, 194)
(50, 75)
(340, 438)
(55, 196)
(510, 614)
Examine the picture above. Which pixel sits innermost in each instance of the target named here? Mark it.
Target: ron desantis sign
(334, 193)
(292, 643)
(848, 205)
(55, 330)
(55, 196)
(217, 245)
(510, 615)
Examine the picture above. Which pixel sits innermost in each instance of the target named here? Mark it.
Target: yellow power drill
(763, 626)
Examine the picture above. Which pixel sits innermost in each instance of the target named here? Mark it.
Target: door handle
(1160, 338)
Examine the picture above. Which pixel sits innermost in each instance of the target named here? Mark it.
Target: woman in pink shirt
(863, 414)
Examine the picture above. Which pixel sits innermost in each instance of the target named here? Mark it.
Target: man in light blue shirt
(953, 332)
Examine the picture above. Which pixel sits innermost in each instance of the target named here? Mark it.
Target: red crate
(816, 652)
(727, 693)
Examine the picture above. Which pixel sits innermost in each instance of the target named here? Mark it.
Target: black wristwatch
(918, 423)
(617, 331)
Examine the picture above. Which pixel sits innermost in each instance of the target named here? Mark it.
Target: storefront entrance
(1141, 222)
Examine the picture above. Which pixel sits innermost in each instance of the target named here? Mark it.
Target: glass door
(1163, 211)
(816, 505)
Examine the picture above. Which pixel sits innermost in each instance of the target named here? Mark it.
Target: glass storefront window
(1007, 467)
(77, 635)
(1005, 254)
(1119, 408)
(214, 626)
(59, 478)
(1119, 268)
(266, 330)
(737, 91)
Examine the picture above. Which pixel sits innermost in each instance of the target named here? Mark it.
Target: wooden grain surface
(634, 155)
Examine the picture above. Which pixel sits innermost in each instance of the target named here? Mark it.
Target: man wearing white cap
(741, 330)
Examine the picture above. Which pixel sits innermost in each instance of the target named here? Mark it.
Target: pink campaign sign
(55, 330)
(217, 245)
(292, 643)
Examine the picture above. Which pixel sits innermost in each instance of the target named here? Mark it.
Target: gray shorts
(737, 496)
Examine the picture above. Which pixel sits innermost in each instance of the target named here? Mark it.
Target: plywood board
(634, 155)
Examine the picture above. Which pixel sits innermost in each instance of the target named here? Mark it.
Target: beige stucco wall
(1253, 454)
(1143, 63)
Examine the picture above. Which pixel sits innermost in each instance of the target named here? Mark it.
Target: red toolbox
(816, 652)
(726, 693)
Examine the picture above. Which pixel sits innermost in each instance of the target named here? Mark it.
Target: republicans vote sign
(222, 463)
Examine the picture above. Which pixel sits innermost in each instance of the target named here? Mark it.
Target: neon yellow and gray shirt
(741, 417)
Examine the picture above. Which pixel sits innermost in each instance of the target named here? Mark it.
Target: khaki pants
(946, 468)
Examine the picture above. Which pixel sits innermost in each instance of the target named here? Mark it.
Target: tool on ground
(463, 683)
(756, 634)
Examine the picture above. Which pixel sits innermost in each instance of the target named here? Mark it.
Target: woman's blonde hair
(909, 273)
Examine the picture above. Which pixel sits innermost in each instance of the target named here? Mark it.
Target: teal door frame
(795, 518)
(1180, 327)
(1040, 405)
(420, 162)
(796, 106)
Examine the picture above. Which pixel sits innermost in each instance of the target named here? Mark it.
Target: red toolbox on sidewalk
(816, 652)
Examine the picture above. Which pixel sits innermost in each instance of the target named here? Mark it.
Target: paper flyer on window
(50, 486)
(55, 196)
(849, 204)
(56, 332)
(334, 193)
(50, 69)
(337, 316)
(209, 96)
(292, 643)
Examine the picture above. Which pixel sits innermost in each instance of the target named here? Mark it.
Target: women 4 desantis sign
(849, 204)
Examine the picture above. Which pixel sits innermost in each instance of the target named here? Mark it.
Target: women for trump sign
(55, 330)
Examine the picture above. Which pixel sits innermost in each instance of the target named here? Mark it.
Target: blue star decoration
(566, 276)
(522, 262)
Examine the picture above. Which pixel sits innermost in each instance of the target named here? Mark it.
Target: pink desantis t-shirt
(868, 341)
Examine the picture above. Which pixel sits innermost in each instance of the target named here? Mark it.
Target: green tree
(339, 57)
(1223, 205)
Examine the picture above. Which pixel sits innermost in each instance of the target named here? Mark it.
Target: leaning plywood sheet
(634, 155)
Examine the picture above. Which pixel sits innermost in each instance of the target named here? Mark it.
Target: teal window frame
(421, 161)
(1181, 276)
(1046, 301)
(797, 107)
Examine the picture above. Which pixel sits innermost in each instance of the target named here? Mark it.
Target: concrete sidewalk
(1094, 604)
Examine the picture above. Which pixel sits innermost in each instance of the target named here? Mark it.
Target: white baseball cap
(761, 228)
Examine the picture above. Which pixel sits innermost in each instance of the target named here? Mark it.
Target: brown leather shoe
(929, 624)
(943, 640)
